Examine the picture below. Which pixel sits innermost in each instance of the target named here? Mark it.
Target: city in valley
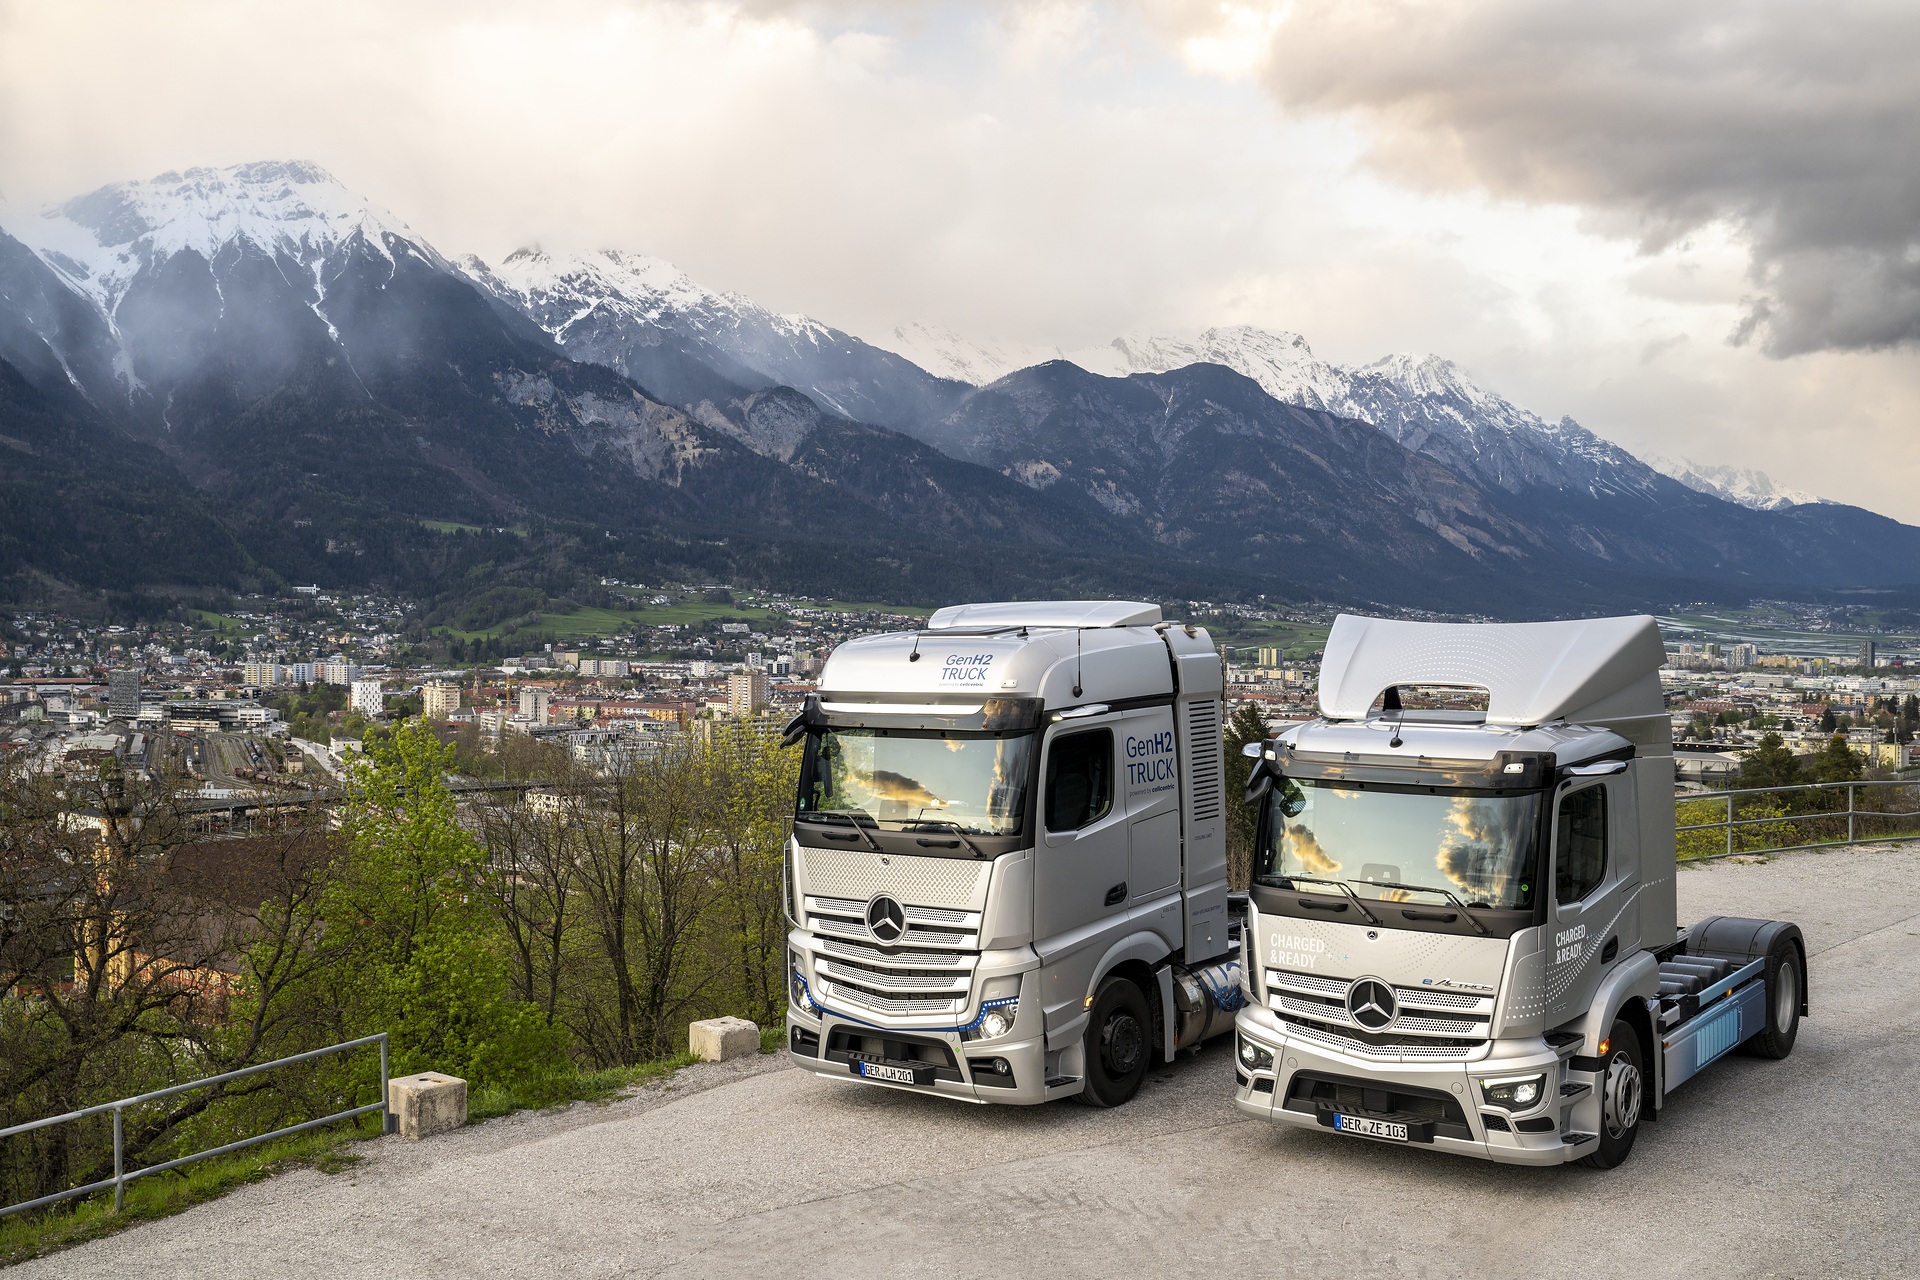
(276, 694)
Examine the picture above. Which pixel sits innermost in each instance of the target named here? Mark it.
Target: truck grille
(1431, 1025)
(928, 974)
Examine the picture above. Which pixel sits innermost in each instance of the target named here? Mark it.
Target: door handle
(1608, 952)
(1117, 894)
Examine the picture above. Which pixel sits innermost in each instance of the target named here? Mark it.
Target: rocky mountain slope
(256, 372)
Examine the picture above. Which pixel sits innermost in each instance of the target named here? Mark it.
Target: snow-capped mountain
(648, 319)
(1282, 363)
(1743, 485)
(103, 241)
(1428, 404)
(947, 354)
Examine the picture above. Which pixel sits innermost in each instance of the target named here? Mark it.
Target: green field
(1297, 640)
(1774, 631)
(454, 526)
(219, 623)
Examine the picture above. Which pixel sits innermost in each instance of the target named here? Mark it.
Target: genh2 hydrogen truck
(1462, 932)
(1007, 877)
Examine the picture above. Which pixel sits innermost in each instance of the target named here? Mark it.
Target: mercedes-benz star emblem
(886, 918)
(1370, 1002)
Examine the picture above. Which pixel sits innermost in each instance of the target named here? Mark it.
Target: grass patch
(454, 526)
(219, 622)
(586, 1086)
(76, 1222)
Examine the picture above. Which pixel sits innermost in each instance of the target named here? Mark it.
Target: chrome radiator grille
(928, 973)
(1428, 1025)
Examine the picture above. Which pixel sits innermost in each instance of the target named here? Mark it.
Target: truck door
(1589, 889)
(1080, 862)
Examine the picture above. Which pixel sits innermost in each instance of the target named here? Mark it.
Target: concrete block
(718, 1039)
(427, 1103)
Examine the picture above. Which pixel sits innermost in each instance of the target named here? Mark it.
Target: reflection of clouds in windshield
(1300, 850)
(884, 784)
(1477, 840)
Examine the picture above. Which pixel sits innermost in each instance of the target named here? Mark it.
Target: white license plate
(904, 1075)
(1370, 1128)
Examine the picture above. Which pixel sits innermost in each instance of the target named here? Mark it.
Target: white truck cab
(1007, 876)
(1461, 932)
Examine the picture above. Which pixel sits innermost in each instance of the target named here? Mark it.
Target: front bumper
(1296, 1088)
(831, 1044)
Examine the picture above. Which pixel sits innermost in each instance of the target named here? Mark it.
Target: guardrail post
(1729, 823)
(119, 1160)
(1850, 808)
(387, 1119)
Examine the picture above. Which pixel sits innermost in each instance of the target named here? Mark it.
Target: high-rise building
(1867, 654)
(440, 699)
(1268, 656)
(367, 697)
(263, 673)
(747, 692)
(123, 693)
(534, 704)
(336, 672)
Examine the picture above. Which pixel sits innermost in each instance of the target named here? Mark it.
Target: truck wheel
(1117, 1044)
(1785, 985)
(1622, 1093)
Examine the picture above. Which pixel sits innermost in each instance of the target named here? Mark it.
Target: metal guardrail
(1852, 813)
(122, 1176)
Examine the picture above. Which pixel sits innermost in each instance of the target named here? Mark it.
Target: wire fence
(1813, 815)
(118, 1109)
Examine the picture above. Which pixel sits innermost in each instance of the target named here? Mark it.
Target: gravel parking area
(1802, 1168)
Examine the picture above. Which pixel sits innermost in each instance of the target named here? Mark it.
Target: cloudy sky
(1695, 228)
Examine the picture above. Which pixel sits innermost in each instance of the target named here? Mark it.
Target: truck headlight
(1253, 1057)
(1515, 1093)
(797, 986)
(999, 1007)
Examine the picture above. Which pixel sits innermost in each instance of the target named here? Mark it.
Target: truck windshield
(905, 778)
(1479, 846)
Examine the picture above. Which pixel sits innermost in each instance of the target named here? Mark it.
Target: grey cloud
(1797, 123)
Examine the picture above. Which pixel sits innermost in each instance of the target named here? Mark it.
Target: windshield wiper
(954, 827)
(1345, 888)
(852, 817)
(1445, 893)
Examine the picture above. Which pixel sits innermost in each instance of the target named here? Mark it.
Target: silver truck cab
(1007, 876)
(1462, 925)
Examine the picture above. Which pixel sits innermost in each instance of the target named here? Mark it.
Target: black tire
(1623, 1097)
(1119, 1046)
(1786, 989)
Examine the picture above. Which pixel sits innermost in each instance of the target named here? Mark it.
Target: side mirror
(1252, 750)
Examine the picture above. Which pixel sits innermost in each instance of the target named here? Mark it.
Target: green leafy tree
(1837, 762)
(411, 937)
(1248, 724)
(1829, 723)
(1770, 764)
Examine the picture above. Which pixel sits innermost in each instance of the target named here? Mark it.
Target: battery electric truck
(1007, 880)
(1462, 929)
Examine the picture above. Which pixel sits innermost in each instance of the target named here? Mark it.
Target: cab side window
(1580, 844)
(1079, 780)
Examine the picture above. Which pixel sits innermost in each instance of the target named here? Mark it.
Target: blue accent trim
(813, 1005)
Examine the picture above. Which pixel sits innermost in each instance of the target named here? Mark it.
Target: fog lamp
(1515, 1093)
